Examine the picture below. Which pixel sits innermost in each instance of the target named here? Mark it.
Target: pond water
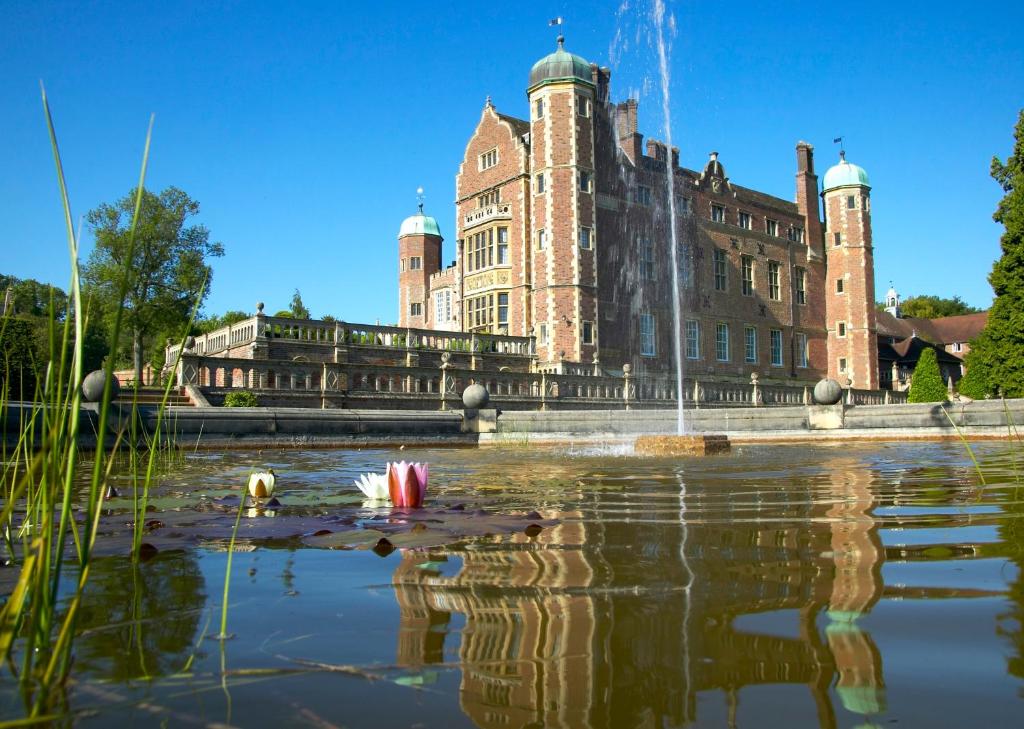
(836, 586)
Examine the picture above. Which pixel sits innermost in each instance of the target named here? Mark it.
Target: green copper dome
(845, 174)
(560, 66)
(419, 224)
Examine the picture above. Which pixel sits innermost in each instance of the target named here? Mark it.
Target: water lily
(261, 485)
(407, 483)
(374, 486)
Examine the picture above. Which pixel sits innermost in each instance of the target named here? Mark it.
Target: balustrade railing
(316, 332)
(442, 386)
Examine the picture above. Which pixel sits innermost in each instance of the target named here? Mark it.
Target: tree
(298, 309)
(933, 307)
(926, 384)
(211, 323)
(999, 351)
(167, 272)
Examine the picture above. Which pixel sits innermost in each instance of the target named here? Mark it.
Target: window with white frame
(839, 285)
(586, 238)
(538, 183)
(416, 309)
(542, 239)
(646, 259)
(489, 159)
(801, 285)
(774, 289)
(721, 277)
(771, 227)
(796, 234)
(775, 340)
(538, 109)
(750, 344)
(586, 180)
(647, 342)
(415, 263)
(582, 105)
(442, 306)
(717, 214)
(745, 220)
(588, 332)
(840, 329)
(542, 333)
(722, 342)
(692, 339)
(502, 246)
(643, 195)
(503, 310)
(801, 349)
(747, 269)
(842, 364)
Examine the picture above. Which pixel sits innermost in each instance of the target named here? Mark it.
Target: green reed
(38, 619)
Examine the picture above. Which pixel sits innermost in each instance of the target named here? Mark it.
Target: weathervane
(557, 22)
(842, 148)
(420, 197)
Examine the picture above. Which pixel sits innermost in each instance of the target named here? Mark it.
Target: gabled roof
(945, 330)
(519, 126)
(908, 352)
(961, 328)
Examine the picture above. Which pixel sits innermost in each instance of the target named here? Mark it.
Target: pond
(801, 585)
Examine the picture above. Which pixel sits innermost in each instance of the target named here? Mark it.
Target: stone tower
(563, 217)
(850, 276)
(419, 255)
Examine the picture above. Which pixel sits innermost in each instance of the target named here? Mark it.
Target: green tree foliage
(933, 307)
(998, 353)
(926, 384)
(167, 270)
(976, 382)
(298, 309)
(32, 298)
(19, 358)
(212, 323)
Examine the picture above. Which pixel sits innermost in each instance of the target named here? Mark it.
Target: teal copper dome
(419, 224)
(560, 66)
(845, 174)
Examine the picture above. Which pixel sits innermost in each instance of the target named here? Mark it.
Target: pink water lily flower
(407, 483)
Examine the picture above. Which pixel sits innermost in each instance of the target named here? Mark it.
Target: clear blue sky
(304, 128)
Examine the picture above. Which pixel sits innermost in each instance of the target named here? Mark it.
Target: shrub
(241, 399)
(926, 385)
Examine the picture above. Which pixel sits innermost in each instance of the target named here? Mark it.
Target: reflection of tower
(850, 288)
(857, 554)
(527, 645)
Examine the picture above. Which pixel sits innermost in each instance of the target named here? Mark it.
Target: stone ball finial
(828, 392)
(627, 368)
(92, 386)
(753, 378)
(475, 397)
(259, 308)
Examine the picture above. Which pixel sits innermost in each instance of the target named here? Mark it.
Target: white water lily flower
(374, 486)
(261, 485)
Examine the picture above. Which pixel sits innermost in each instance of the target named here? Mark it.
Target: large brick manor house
(562, 234)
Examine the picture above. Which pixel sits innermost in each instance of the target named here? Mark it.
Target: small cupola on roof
(845, 174)
(560, 66)
(419, 224)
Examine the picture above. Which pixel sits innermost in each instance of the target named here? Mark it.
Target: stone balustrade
(238, 339)
(498, 211)
(364, 384)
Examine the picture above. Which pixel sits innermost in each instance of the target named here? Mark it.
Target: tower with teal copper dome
(419, 255)
(563, 214)
(850, 276)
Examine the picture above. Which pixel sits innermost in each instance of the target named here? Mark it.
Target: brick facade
(562, 233)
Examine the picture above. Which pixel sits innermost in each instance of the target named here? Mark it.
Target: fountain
(680, 444)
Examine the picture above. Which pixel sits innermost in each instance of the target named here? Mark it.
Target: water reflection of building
(590, 626)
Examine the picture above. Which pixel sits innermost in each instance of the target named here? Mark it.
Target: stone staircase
(153, 396)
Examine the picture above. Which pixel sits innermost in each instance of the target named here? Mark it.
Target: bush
(241, 399)
(926, 385)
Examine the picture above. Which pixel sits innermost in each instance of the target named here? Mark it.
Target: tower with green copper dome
(419, 255)
(850, 276)
(563, 215)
